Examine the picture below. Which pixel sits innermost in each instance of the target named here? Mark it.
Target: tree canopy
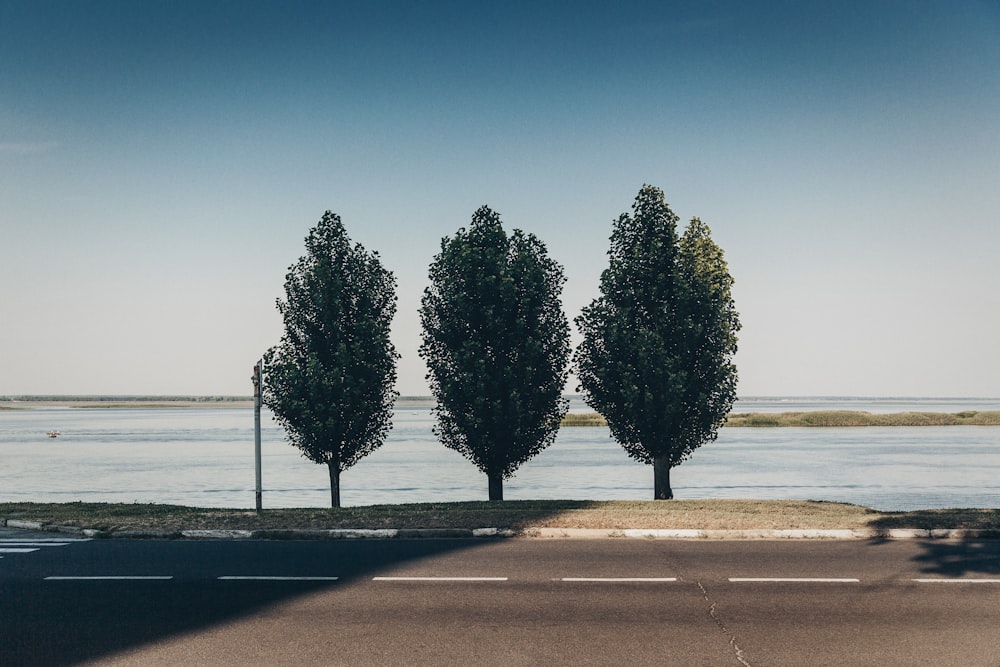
(496, 344)
(658, 342)
(330, 381)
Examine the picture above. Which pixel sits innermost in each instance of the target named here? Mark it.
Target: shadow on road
(950, 558)
(67, 622)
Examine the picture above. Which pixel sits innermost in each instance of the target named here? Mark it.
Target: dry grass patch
(711, 515)
(834, 418)
(830, 418)
(583, 419)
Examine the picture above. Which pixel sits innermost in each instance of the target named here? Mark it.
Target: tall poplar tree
(496, 344)
(658, 343)
(330, 381)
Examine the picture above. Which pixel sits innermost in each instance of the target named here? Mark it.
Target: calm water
(204, 457)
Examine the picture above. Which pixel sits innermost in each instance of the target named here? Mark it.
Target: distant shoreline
(144, 402)
(810, 419)
(830, 419)
(29, 402)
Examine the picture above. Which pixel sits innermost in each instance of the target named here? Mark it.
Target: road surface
(499, 602)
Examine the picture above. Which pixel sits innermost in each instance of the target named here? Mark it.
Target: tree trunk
(334, 484)
(496, 486)
(661, 478)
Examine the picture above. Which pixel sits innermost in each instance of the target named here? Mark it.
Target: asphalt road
(499, 602)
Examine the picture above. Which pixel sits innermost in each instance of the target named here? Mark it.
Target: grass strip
(516, 515)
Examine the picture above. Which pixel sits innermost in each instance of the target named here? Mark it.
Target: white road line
(957, 581)
(274, 578)
(616, 580)
(111, 578)
(7, 543)
(794, 580)
(17, 550)
(439, 578)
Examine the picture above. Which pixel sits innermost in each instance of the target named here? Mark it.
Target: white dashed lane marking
(29, 546)
(275, 578)
(957, 581)
(402, 579)
(113, 578)
(619, 580)
(794, 580)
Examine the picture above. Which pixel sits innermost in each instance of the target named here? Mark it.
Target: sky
(161, 163)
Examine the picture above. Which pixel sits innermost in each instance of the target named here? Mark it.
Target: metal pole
(257, 371)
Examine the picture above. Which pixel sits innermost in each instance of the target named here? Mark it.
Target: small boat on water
(54, 434)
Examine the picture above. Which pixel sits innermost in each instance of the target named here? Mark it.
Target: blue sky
(161, 163)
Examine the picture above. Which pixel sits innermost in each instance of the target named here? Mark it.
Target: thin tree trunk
(496, 486)
(661, 478)
(334, 483)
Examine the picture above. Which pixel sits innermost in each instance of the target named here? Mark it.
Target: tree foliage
(496, 343)
(330, 381)
(656, 356)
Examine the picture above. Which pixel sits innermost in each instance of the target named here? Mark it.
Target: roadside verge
(529, 532)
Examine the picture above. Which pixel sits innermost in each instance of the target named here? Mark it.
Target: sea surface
(205, 457)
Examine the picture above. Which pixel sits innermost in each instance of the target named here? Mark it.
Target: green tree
(496, 343)
(658, 343)
(330, 380)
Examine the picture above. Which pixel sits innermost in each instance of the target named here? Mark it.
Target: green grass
(514, 515)
(828, 418)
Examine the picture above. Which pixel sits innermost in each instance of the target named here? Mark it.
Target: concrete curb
(264, 534)
(539, 532)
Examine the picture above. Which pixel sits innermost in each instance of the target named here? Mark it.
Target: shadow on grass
(974, 519)
(66, 622)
